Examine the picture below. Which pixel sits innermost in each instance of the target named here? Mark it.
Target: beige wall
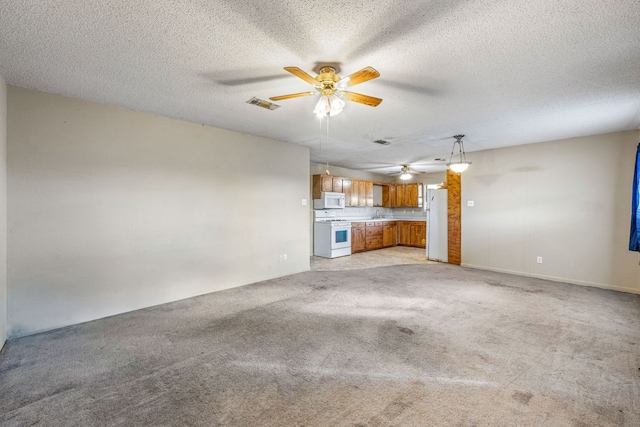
(318, 169)
(112, 210)
(3, 211)
(568, 201)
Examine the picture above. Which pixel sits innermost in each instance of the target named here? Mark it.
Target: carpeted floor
(411, 345)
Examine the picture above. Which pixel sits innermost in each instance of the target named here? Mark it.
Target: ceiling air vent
(262, 103)
(382, 142)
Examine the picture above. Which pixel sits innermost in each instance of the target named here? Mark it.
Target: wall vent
(262, 103)
(382, 142)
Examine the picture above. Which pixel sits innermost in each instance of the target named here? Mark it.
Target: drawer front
(374, 231)
(373, 242)
(370, 224)
(358, 224)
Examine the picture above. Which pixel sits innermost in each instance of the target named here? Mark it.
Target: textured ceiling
(503, 73)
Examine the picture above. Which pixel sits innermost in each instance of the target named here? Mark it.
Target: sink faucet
(377, 213)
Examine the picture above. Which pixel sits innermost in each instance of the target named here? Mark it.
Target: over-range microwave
(329, 200)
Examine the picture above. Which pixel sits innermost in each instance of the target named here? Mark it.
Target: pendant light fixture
(461, 165)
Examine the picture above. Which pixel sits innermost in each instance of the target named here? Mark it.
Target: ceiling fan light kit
(329, 106)
(461, 165)
(406, 172)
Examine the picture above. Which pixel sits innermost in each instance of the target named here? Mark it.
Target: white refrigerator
(437, 236)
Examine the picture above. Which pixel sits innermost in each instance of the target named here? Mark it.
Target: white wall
(3, 212)
(111, 210)
(568, 201)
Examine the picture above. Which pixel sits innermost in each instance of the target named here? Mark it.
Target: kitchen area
(365, 216)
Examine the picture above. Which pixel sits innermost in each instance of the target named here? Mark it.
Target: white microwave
(329, 200)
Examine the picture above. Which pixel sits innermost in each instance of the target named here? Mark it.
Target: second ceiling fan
(406, 172)
(332, 89)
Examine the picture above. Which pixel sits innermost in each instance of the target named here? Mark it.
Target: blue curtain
(634, 238)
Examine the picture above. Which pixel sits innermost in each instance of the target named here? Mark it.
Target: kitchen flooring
(396, 255)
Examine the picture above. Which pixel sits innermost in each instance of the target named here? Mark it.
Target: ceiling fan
(406, 172)
(332, 87)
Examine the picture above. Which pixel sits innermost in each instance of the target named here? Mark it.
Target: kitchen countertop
(387, 219)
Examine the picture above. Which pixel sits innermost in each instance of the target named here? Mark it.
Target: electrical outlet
(281, 257)
(539, 260)
(304, 202)
(470, 203)
(284, 257)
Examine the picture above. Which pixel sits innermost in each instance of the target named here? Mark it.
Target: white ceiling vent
(262, 103)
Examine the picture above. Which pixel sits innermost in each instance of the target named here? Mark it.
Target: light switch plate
(304, 202)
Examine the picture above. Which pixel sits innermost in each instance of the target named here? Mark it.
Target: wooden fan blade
(362, 99)
(367, 73)
(302, 74)
(293, 95)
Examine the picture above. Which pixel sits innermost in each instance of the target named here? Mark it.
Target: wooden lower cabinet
(412, 233)
(358, 237)
(373, 235)
(404, 233)
(390, 234)
(419, 235)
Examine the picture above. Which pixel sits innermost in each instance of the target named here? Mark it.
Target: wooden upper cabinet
(337, 185)
(321, 183)
(362, 193)
(355, 192)
(369, 192)
(327, 182)
(408, 195)
(393, 202)
(346, 189)
(389, 196)
(401, 191)
(411, 195)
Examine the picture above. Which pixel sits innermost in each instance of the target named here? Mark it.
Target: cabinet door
(393, 202)
(357, 239)
(369, 190)
(386, 202)
(404, 234)
(362, 194)
(419, 235)
(400, 195)
(389, 235)
(327, 183)
(355, 192)
(346, 189)
(321, 183)
(412, 195)
(337, 185)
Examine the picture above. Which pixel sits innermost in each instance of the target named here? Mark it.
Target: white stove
(331, 235)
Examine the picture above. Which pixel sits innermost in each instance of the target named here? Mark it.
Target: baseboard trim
(555, 279)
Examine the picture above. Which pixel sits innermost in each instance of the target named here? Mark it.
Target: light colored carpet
(412, 345)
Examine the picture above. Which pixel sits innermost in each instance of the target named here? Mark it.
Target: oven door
(340, 237)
